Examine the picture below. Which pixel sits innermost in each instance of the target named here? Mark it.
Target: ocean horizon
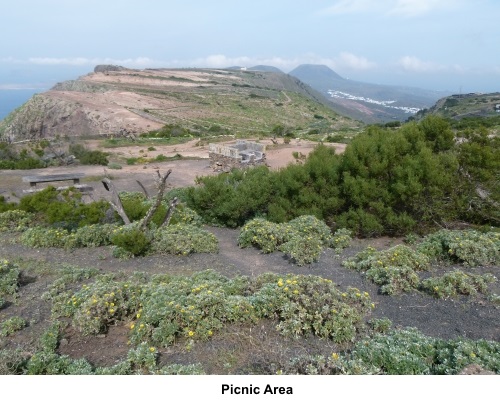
(10, 99)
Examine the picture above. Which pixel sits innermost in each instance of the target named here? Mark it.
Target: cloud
(344, 60)
(352, 61)
(81, 61)
(414, 64)
(402, 8)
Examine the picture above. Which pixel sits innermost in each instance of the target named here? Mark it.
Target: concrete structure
(242, 154)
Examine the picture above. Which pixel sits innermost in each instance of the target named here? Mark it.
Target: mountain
(114, 100)
(368, 102)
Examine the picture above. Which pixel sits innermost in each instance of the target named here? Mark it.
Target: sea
(10, 99)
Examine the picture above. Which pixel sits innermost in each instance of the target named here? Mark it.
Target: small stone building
(242, 154)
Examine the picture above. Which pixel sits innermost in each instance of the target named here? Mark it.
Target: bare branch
(116, 202)
(170, 211)
(162, 183)
(143, 189)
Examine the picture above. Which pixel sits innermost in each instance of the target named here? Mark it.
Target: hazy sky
(436, 44)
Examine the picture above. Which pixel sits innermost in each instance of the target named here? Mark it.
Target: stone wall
(243, 154)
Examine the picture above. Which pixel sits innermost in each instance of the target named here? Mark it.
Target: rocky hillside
(460, 106)
(118, 101)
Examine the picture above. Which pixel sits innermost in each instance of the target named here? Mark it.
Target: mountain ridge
(368, 102)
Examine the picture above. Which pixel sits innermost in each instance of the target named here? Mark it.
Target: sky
(450, 45)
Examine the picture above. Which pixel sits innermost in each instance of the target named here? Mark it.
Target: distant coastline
(10, 99)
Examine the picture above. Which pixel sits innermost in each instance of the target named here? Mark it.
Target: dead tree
(161, 183)
(115, 202)
(170, 212)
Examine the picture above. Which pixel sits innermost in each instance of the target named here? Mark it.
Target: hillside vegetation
(119, 101)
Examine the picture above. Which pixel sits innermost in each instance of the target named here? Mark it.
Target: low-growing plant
(97, 306)
(469, 247)
(94, 235)
(457, 282)
(12, 325)
(394, 269)
(68, 276)
(341, 239)
(183, 239)
(302, 238)
(303, 249)
(398, 256)
(114, 166)
(9, 279)
(380, 325)
(168, 307)
(42, 237)
(15, 220)
(393, 279)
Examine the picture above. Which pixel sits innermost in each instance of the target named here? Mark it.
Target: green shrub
(132, 239)
(114, 166)
(5, 206)
(64, 208)
(457, 282)
(88, 157)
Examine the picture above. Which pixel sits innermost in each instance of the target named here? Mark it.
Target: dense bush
(132, 239)
(89, 157)
(388, 181)
(64, 208)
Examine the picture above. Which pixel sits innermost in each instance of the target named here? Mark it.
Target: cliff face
(117, 101)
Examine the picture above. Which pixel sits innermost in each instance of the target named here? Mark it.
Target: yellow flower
(210, 333)
(191, 333)
(132, 326)
(285, 289)
(295, 291)
(152, 349)
(335, 356)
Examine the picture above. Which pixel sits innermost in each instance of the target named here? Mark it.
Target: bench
(34, 180)
(75, 177)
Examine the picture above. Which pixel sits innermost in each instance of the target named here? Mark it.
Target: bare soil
(239, 349)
